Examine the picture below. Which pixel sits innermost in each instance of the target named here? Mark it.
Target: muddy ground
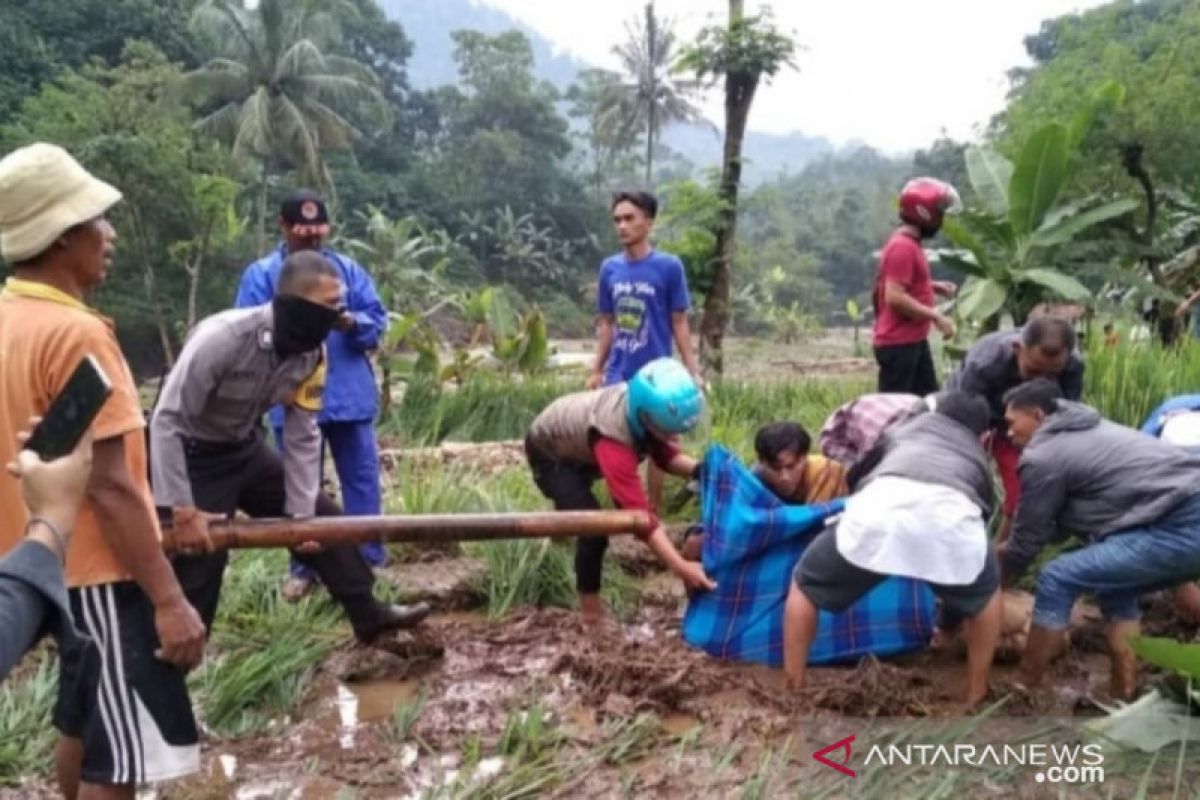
(533, 705)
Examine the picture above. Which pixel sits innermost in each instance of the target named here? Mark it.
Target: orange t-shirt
(43, 335)
(824, 480)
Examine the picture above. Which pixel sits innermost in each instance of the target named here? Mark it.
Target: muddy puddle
(533, 705)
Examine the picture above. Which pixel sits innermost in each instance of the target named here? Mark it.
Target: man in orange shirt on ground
(123, 708)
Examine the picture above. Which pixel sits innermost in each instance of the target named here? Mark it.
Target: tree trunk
(150, 281)
(160, 319)
(193, 273)
(1166, 325)
(193, 268)
(739, 94)
(1131, 159)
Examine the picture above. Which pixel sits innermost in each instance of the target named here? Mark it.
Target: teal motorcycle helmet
(663, 399)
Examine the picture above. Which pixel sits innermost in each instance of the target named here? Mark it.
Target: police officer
(351, 400)
(210, 455)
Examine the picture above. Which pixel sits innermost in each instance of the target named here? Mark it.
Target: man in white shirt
(920, 511)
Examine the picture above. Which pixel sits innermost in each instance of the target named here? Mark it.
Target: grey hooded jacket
(1083, 475)
(932, 448)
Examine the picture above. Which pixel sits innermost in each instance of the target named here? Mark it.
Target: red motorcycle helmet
(925, 201)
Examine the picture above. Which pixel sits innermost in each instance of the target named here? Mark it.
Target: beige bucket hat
(43, 192)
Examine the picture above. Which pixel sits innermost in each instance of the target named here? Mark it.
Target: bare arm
(908, 306)
(681, 465)
(604, 340)
(683, 340)
(691, 573)
(1186, 305)
(128, 525)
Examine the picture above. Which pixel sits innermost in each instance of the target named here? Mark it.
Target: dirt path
(625, 711)
(533, 705)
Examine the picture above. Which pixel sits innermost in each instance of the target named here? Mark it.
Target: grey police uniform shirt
(225, 379)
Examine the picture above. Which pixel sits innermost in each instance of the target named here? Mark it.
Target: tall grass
(491, 407)
(487, 407)
(1126, 383)
(737, 408)
(26, 736)
(264, 652)
(526, 572)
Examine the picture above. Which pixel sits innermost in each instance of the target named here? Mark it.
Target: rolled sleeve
(301, 461)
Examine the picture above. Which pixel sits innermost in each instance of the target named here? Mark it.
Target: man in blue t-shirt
(642, 299)
(642, 304)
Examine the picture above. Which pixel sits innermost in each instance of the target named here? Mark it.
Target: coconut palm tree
(274, 91)
(650, 96)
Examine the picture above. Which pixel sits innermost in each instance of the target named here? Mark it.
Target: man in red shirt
(604, 433)
(905, 289)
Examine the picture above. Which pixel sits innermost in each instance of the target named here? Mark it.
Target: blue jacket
(1158, 417)
(350, 392)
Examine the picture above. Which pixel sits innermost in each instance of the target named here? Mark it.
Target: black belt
(202, 448)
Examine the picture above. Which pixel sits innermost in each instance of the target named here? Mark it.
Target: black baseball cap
(305, 212)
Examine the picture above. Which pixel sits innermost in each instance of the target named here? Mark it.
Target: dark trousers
(248, 477)
(569, 487)
(906, 369)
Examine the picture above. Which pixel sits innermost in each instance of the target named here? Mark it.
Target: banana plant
(1007, 243)
(520, 342)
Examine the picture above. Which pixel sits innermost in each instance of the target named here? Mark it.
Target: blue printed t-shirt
(640, 296)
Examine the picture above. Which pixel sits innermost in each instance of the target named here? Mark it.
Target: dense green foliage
(501, 177)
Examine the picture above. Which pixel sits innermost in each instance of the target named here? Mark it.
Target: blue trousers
(356, 458)
(1121, 567)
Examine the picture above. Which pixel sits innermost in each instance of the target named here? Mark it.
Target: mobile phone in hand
(72, 412)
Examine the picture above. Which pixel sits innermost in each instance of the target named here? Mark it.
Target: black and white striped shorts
(130, 710)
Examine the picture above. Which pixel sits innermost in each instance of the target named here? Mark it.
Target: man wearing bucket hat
(584, 436)
(351, 399)
(123, 707)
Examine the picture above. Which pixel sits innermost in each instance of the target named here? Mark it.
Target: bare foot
(1187, 603)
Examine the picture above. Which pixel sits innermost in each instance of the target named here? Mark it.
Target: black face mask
(300, 325)
(930, 231)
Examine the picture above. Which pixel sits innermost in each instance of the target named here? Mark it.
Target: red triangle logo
(842, 766)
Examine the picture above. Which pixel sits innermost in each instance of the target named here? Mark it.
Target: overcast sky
(888, 72)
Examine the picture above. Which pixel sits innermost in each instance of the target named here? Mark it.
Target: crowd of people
(81, 537)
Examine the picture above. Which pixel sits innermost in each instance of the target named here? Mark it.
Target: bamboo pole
(240, 534)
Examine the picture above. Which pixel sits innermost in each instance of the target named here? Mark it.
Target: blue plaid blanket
(752, 542)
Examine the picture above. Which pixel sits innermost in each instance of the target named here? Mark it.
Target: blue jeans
(356, 458)
(1121, 567)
